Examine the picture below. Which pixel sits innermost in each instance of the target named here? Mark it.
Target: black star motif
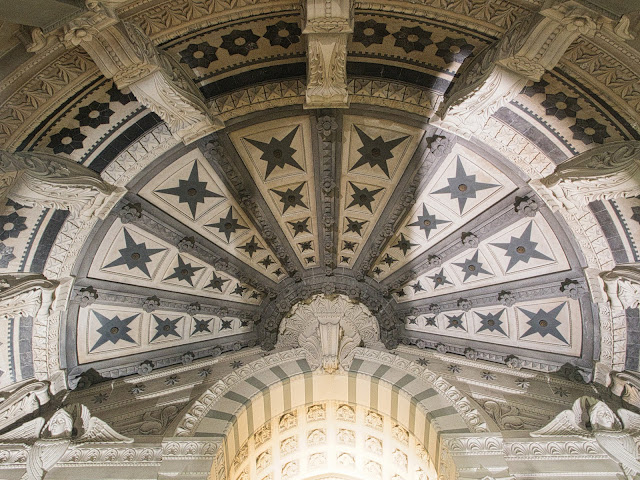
(349, 246)
(216, 282)
(277, 272)
(310, 259)
(369, 32)
(116, 95)
(166, 327)
(283, 34)
(454, 49)
(198, 55)
(240, 42)
(184, 271)
(191, 191)
(67, 140)
(201, 326)
(412, 39)
(363, 196)
(251, 247)
(255, 295)
(404, 244)
(11, 225)
(463, 186)
(113, 329)
(354, 226)
(417, 287)
(440, 279)
(427, 222)
(306, 246)
(521, 249)
(400, 293)
(277, 153)
(491, 322)
(636, 214)
(389, 260)
(94, 114)
(300, 226)
(239, 290)
(225, 325)
(472, 267)
(544, 323)
(376, 152)
(455, 321)
(134, 255)
(377, 271)
(228, 225)
(344, 259)
(430, 322)
(291, 198)
(267, 261)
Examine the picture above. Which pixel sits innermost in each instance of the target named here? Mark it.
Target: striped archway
(258, 396)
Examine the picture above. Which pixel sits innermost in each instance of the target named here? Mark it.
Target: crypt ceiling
(442, 237)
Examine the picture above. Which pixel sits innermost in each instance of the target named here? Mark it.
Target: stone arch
(418, 400)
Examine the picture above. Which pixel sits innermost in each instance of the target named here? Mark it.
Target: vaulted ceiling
(214, 242)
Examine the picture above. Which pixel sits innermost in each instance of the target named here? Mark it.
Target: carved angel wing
(622, 447)
(565, 423)
(26, 433)
(630, 422)
(97, 431)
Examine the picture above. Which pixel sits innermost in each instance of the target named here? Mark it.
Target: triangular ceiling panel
(375, 154)
(133, 256)
(190, 190)
(278, 157)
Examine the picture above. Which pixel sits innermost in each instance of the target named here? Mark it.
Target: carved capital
(327, 26)
(622, 285)
(31, 295)
(124, 53)
(530, 47)
(602, 173)
(49, 181)
(329, 329)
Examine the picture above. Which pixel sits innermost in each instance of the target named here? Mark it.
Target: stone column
(327, 24)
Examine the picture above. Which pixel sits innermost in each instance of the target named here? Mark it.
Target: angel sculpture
(49, 441)
(615, 433)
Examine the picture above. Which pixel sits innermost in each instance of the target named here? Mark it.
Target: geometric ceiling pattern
(428, 229)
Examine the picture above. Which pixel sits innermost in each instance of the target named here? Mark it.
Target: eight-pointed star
(191, 191)
(363, 196)
(463, 186)
(291, 198)
(228, 225)
(427, 222)
(472, 267)
(134, 255)
(521, 249)
(184, 271)
(277, 153)
(545, 323)
(376, 152)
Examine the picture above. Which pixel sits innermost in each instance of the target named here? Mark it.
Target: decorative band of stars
(550, 325)
(133, 256)
(107, 331)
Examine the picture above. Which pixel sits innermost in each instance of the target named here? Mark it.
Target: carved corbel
(49, 181)
(496, 76)
(124, 53)
(622, 285)
(327, 26)
(603, 173)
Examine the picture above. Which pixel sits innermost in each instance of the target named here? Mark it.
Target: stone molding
(327, 25)
(24, 401)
